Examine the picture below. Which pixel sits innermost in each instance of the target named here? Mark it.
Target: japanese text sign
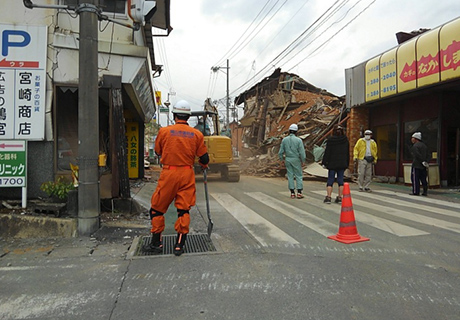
(22, 82)
(13, 158)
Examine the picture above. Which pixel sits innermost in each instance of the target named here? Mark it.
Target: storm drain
(196, 243)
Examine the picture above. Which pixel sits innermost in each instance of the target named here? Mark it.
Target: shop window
(386, 138)
(429, 130)
(112, 6)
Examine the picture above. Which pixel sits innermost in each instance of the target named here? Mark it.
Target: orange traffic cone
(348, 233)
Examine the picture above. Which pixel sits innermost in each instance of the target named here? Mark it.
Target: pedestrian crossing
(264, 231)
(383, 210)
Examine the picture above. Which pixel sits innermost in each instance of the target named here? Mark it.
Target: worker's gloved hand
(425, 164)
(203, 166)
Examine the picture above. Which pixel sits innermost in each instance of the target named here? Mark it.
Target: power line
(271, 41)
(290, 47)
(325, 42)
(221, 60)
(241, 46)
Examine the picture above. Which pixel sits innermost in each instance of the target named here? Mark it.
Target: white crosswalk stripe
(309, 220)
(374, 209)
(428, 200)
(264, 231)
(404, 214)
(413, 205)
(377, 222)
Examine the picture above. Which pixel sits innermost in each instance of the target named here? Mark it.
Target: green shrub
(59, 188)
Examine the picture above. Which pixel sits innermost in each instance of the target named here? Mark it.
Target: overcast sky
(315, 39)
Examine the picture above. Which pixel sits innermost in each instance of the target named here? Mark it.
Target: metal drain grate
(196, 243)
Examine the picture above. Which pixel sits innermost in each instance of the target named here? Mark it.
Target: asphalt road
(273, 261)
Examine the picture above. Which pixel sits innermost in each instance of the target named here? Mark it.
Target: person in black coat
(420, 156)
(336, 159)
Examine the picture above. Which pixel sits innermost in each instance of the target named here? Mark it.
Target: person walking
(178, 145)
(365, 155)
(294, 156)
(420, 165)
(336, 159)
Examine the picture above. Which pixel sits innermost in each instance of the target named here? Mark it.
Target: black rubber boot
(180, 244)
(155, 246)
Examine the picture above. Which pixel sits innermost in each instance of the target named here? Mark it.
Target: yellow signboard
(449, 41)
(132, 136)
(388, 74)
(372, 79)
(427, 59)
(427, 49)
(406, 66)
(158, 98)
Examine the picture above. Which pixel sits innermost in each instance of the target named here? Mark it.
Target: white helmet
(182, 107)
(293, 127)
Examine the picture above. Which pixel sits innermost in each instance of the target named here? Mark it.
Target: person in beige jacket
(365, 154)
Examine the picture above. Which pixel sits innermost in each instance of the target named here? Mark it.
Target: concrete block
(24, 226)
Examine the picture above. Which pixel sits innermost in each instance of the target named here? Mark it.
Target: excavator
(220, 149)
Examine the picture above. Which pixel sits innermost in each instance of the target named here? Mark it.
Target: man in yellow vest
(365, 154)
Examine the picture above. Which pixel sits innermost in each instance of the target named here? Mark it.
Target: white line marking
(309, 220)
(408, 215)
(412, 205)
(252, 221)
(423, 199)
(379, 223)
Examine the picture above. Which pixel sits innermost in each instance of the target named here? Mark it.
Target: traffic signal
(141, 10)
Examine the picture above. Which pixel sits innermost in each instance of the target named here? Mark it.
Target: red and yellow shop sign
(432, 57)
(450, 53)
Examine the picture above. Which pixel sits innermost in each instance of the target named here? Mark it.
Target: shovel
(205, 179)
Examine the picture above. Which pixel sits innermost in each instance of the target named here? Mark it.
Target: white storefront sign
(22, 82)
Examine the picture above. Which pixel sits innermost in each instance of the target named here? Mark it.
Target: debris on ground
(271, 106)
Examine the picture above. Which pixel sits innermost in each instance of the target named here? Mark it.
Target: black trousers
(417, 176)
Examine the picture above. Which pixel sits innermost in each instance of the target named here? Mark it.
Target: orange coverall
(178, 145)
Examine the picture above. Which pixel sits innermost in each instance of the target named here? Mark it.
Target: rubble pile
(268, 116)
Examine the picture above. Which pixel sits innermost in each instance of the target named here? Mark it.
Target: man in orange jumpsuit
(178, 145)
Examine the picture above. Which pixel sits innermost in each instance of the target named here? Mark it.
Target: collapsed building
(271, 106)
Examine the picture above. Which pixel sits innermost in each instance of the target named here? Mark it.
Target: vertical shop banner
(13, 163)
(158, 98)
(132, 137)
(22, 82)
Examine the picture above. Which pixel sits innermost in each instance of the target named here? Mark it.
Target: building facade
(126, 68)
(412, 87)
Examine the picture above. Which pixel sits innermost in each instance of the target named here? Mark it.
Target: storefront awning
(137, 82)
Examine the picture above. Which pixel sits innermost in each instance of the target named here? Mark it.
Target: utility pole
(228, 97)
(215, 69)
(88, 120)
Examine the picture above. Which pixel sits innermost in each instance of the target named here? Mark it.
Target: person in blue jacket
(293, 150)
